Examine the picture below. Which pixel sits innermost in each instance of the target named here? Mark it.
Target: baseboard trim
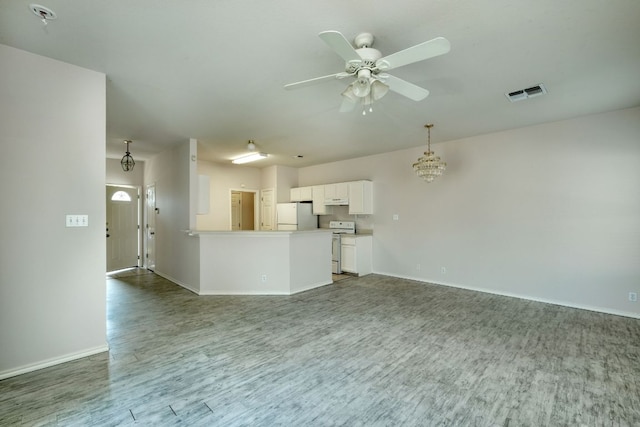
(51, 362)
(177, 282)
(311, 286)
(604, 310)
(228, 293)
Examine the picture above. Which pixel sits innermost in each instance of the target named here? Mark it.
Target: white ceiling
(215, 70)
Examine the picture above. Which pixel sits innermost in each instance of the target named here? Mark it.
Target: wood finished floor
(370, 351)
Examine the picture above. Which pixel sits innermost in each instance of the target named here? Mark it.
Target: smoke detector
(530, 92)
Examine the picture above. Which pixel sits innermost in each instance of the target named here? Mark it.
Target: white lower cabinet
(356, 254)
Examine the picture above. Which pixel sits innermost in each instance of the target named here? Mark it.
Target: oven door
(335, 254)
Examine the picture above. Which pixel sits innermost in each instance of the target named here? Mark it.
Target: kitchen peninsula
(263, 262)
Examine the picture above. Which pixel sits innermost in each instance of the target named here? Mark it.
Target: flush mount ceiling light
(250, 158)
(127, 161)
(429, 166)
(44, 13)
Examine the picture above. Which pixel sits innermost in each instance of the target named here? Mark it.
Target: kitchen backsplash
(341, 213)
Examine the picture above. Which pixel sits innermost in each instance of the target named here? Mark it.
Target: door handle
(152, 233)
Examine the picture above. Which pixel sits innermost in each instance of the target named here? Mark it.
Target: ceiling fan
(369, 68)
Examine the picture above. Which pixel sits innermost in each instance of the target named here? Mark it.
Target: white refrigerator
(295, 216)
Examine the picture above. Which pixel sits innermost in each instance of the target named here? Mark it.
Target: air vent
(530, 92)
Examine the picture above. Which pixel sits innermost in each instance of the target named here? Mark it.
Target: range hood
(336, 202)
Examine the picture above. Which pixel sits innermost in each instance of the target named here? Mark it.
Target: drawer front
(348, 240)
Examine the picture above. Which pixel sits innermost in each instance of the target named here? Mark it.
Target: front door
(122, 227)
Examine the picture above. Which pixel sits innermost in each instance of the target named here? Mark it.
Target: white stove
(338, 228)
(342, 227)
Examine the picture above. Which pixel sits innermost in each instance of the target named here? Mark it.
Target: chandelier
(429, 166)
(127, 161)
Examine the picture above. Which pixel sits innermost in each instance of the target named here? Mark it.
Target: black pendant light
(127, 161)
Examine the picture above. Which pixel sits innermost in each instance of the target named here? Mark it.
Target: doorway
(243, 210)
(122, 227)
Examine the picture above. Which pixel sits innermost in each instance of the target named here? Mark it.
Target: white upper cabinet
(360, 198)
(319, 208)
(357, 194)
(336, 192)
(301, 194)
(294, 195)
(306, 194)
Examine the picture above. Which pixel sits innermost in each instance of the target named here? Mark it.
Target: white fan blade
(310, 82)
(419, 52)
(405, 88)
(336, 41)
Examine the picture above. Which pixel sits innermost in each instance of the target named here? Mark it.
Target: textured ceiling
(215, 70)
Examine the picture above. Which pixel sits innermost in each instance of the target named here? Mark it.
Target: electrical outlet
(633, 297)
(264, 278)
(396, 217)
(443, 270)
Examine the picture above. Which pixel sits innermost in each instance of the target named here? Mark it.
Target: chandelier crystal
(429, 166)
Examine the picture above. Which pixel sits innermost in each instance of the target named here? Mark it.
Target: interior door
(266, 209)
(150, 233)
(122, 227)
(248, 211)
(236, 210)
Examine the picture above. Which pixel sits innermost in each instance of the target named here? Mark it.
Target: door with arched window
(122, 227)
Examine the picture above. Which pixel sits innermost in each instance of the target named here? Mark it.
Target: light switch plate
(77, 221)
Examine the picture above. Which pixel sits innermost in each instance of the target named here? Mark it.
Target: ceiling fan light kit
(366, 64)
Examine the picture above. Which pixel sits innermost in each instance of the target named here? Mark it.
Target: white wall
(286, 178)
(174, 174)
(52, 283)
(223, 178)
(115, 174)
(549, 212)
(234, 263)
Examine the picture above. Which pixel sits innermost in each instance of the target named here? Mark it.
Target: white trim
(525, 297)
(306, 288)
(51, 362)
(312, 286)
(177, 282)
(255, 293)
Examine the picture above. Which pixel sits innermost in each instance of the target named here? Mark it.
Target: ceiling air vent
(527, 93)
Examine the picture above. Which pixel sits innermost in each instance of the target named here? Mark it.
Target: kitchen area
(342, 208)
(320, 235)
